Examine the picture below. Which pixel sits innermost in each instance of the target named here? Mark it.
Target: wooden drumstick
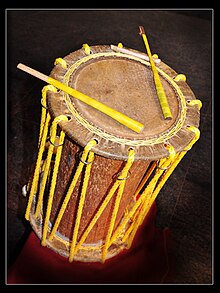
(134, 53)
(121, 118)
(159, 88)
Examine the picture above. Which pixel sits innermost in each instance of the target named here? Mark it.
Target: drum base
(149, 261)
(91, 252)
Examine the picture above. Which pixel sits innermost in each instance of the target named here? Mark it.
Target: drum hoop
(130, 142)
(66, 241)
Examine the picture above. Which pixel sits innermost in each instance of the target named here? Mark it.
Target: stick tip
(19, 66)
(141, 30)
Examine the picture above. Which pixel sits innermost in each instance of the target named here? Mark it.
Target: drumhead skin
(125, 83)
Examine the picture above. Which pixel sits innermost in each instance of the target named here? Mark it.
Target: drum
(95, 179)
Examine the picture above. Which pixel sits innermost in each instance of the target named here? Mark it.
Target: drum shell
(104, 173)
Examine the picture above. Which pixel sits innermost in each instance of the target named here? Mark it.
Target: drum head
(124, 83)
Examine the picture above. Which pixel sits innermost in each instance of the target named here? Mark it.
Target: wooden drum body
(97, 216)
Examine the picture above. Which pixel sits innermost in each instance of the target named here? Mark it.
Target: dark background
(183, 39)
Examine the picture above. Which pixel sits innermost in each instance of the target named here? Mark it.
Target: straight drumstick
(121, 118)
(159, 88)
(133, 53)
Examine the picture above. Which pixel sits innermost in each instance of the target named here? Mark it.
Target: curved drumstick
(159, 88)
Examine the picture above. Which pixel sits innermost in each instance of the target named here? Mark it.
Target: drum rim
(178, 128)
(90, 252)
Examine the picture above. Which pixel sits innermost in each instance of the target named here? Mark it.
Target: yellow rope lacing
(55, 172)
(43, 116)
(163, 164)
(148, 194)
(138, 212)
(44, 127)
(71, 187)
(82, 198)
(44, 173)
(37, 170)
(120, 180)
(133, 218)
(122, 177)
(48, 161)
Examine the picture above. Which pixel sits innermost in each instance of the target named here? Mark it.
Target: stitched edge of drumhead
(118, 149)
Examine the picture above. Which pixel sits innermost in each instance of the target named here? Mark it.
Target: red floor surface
(149, 261)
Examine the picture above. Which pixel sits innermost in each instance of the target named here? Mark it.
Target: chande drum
(95, 179)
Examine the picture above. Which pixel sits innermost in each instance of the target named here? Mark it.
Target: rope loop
(60, 61)
(54, 143)
(196, 131)
(195, 102)
(46, 88)
(180, 77)
(125, 178)
(86, 49)
(165, 163)
(120, 45)
(171, 150)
